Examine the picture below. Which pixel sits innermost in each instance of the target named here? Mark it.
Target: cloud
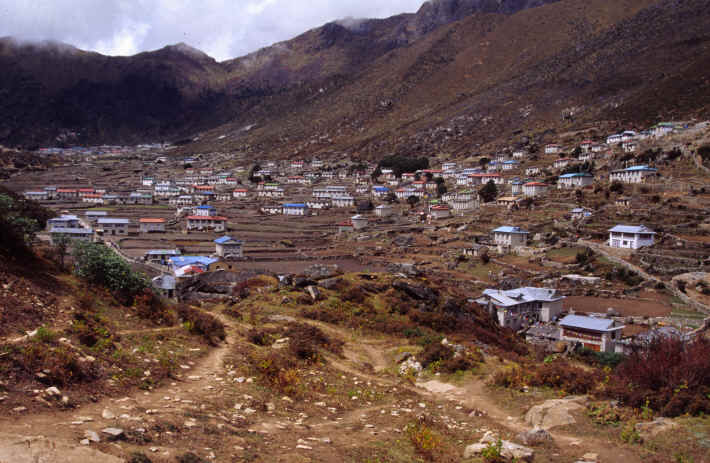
(221, 28)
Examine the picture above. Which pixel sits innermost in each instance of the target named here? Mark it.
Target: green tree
(483, 162)
(20, 220)
(489, 192)
(440, 186)
(412, 201)
(101, 266)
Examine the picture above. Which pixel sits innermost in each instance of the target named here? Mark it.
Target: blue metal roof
(163, 252)
(181, 261)
(226, 239)
(294, 205)
(508, 229)
(71, 231)
(587, 323)
(576, 174)
(632, 229)
(641, 168)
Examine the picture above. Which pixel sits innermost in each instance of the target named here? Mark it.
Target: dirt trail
(204, 381)
(182, 394)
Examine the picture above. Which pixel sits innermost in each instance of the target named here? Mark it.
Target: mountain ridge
(390, 78)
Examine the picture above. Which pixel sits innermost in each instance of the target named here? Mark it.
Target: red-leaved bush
(670, 376)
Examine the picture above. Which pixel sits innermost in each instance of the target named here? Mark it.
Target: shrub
(45, 334)
(426, 442)
(277, 370)
(616, 187)
(557, 374)
(493, 452)
(354, 295)
(259, 337)
(669, 375)
(150, 306)
(304, 341)
(202, 323)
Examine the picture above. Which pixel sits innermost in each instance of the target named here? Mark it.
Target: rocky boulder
(32, 449)
(320, 272)
(553, 413)
(418, 292)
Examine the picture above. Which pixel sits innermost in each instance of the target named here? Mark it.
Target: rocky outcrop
(33, 449)
(554, 413)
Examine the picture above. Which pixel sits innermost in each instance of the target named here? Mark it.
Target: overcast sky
(222, 28)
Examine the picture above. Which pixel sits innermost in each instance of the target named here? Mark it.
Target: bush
(616, 187)
(669, 375)
(277, 370)
(202, 323)
(426, 442)
(557, 374)
(150, 306)
(304, 341)
(259, 337)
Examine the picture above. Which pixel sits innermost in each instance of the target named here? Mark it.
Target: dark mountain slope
(452, 76)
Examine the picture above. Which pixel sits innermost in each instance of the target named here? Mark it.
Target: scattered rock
(93, 436)
(320, 272)
(410, 366)
(509, 450)
(313, 292)
(534, 437)
(107, 414)
(330, 283)
(649, 429)
(113, 433)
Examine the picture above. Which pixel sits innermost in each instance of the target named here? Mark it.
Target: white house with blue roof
(598, 334)
(575, 180)
(205, 211)
(631, 236)
(227, 247)
(510, 237)
(522, 307)
(634, 174)
(299, 209)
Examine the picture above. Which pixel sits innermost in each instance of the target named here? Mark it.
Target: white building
(552, 149)
(359, 222)
(113, 227)
(534, 189)
(597, 334)
(151, 225)
(511, 237)
(203, 223)
(630, 237)
(441, 211)
(635, 174)
(229, 248)
(521, 307)
(384, 210)
(299, 209)
(575, 180)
